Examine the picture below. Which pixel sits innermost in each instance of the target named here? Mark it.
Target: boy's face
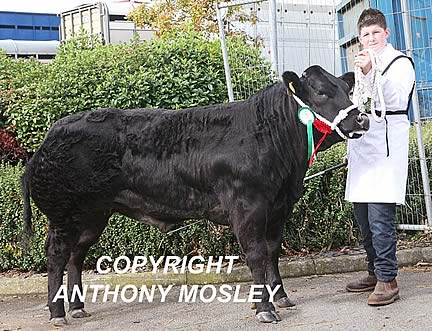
(373, 37)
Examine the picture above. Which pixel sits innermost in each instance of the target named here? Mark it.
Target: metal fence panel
(306, 35)
(322, 32)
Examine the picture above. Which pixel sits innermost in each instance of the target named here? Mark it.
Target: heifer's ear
(349, 79)
(292, 82)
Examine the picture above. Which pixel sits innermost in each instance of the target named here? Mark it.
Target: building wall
(29, 26)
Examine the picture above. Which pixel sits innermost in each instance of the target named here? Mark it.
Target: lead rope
(363, 96)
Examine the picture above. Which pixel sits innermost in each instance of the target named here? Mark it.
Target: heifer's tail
(25, 186)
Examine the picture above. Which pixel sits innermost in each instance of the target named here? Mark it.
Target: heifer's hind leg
(273, 278)
(92, 229)
(58, 248)
(249, 227)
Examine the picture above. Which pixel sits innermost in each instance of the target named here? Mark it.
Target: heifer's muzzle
(362, 121)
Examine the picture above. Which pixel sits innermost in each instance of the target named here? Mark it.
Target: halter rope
(343, 113)
(309, 117)
(363, 96)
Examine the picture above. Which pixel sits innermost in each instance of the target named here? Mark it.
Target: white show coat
(374, 176)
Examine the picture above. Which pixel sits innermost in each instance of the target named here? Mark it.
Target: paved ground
(322, 304)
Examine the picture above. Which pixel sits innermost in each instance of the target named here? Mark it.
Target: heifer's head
(328, 98)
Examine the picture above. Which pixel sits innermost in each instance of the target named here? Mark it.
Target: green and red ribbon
(307, 116)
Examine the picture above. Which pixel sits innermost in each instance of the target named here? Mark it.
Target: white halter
(363, 96)
(343, 113)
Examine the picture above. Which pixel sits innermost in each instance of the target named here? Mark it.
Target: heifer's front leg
(58, 249)
(256, 261)
(249, 227)
(273, 278)
(87, 238)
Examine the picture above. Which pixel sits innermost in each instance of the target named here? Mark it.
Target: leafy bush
(11, 78)
(10, 150)
(17, 77)
(11, 224)
(322, 219)
(179, 70)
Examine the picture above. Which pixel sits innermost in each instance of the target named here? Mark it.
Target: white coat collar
(385, 55)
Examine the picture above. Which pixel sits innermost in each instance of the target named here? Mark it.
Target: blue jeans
(377, 226)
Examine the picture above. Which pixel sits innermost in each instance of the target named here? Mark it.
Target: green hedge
(11, 224)
(180, 70)
(14, 76)
(322, 219)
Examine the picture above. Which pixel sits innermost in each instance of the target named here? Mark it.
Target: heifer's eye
(320, 97)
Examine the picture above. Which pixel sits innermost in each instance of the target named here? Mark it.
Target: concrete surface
(298, 267)
(316, 283)
(322, 304)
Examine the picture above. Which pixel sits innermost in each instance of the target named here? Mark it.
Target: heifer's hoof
(285, 302)
(58, 321)
(268, 317)
(79, 313)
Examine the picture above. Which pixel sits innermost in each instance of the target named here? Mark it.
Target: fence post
(273, 37)
(417, 120)
(224, 54)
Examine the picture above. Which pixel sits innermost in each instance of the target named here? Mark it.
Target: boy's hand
(345, 160)
(363, 61)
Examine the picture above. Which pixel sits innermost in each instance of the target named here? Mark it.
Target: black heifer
(241, 164)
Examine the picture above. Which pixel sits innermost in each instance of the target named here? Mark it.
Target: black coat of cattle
(241, 164)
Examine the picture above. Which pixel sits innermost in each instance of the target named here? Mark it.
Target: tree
(169, 15)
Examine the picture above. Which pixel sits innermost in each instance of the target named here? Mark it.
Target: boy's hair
(370, 17)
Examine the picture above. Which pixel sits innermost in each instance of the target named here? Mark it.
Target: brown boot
(363, 284)
(384, 293)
